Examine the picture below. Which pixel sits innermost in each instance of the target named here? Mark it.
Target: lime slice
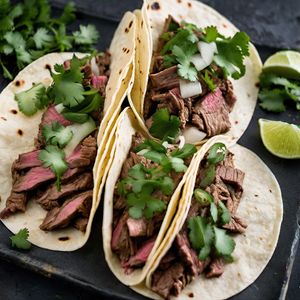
(284, 63)
(280, 138)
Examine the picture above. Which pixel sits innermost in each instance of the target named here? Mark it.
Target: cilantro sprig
(276, 91)
(142, 182)
(28, 31)
(20, 239)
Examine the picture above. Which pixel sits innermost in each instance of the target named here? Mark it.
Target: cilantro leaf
(68, 15)
(177, 164)
(214, 211)
(87, 35)
(225, 214)
(42, 38)
(151, 145)
(19, 240)
(211, 34)
(67, 85)
(272, 100)
(54, 158)
(209, 176)
(211, 85)
(165, 127)
(223, 243)
(31, 100)
(186, 151)
(57, 134)
(185, 69)
(231, 53)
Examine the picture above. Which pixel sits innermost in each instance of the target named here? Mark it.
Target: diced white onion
(189, 88)
(181, 142)
(193, 135)
(199, 62)
(142, 152)
(94, 66)
(207, 51)
(59, 107)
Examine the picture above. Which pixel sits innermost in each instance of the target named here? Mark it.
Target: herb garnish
(27, 32)
(138, 188)
(19, 240)
(276, 90)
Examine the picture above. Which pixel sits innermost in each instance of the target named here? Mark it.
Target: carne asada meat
(15, 202)
(181, 263)
(61, 217)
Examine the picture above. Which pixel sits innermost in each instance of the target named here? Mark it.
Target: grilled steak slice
(164, 282)
(216, 268)
(81, 223)
(167, 79)
(39, 175)
(228, 93)
(15, 202)
(60, 217)
(27, 160)
(232, 176)
(215, 115)
(50, 197)
(84, 155)
(236, 225)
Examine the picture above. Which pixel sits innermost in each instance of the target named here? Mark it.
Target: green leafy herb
(31, 100)
(209, 176)
(223, 243)
(275, 91)
(19, 240)
(27, 31)
(216, 153)
(214, 211)
(67, 85)
(211, 34)
(54, 158)
(225, 214)
(57, 134)
(186, 151)
(165, 127)
(208, 80)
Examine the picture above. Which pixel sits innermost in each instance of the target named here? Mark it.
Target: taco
(195, 68)
(55, 139)
(142, 190)
(225, 230)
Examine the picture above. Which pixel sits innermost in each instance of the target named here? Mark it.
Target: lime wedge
(284, 63)
(280, 138)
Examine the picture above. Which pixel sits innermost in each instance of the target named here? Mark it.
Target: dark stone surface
(83, 274)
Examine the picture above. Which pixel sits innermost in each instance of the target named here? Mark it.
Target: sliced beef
(15, 202)
(60, 217)
(227, 90)
(180, 104)
(84, 155)
(51, 115)
(141, 255)
(167, 79)
(232, 176)
(236, 225)
(216, 268)
(99, 83)
(50, 197)
(198, 122)
(103, 62)
(27, 160)
(164, 282)
(81, 223)
(169, 259)
(228, 160)
(214, 113)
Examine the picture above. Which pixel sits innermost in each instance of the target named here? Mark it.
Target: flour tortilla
(202, 15)
(17, 133)
(261, 207)
(126, 127)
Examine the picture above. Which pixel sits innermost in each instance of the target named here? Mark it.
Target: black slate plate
(86, 268)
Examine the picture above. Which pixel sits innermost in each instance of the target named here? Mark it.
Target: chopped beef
(232, 176)
(39, 175)
(99, 83)
(236, 225)
(81, 223)
(51, 196)
(60, 217)
(103, 62)
(15, 202)
(167, 78)
(121, 242)
(198, 122)
(158, 62)
(27, 160)
(216, 268)
(228, 160)
(227, 90)
(141, 255)
(179, 102)
(84, 155)
(215, 115)
(167, 260)
(163, 281)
